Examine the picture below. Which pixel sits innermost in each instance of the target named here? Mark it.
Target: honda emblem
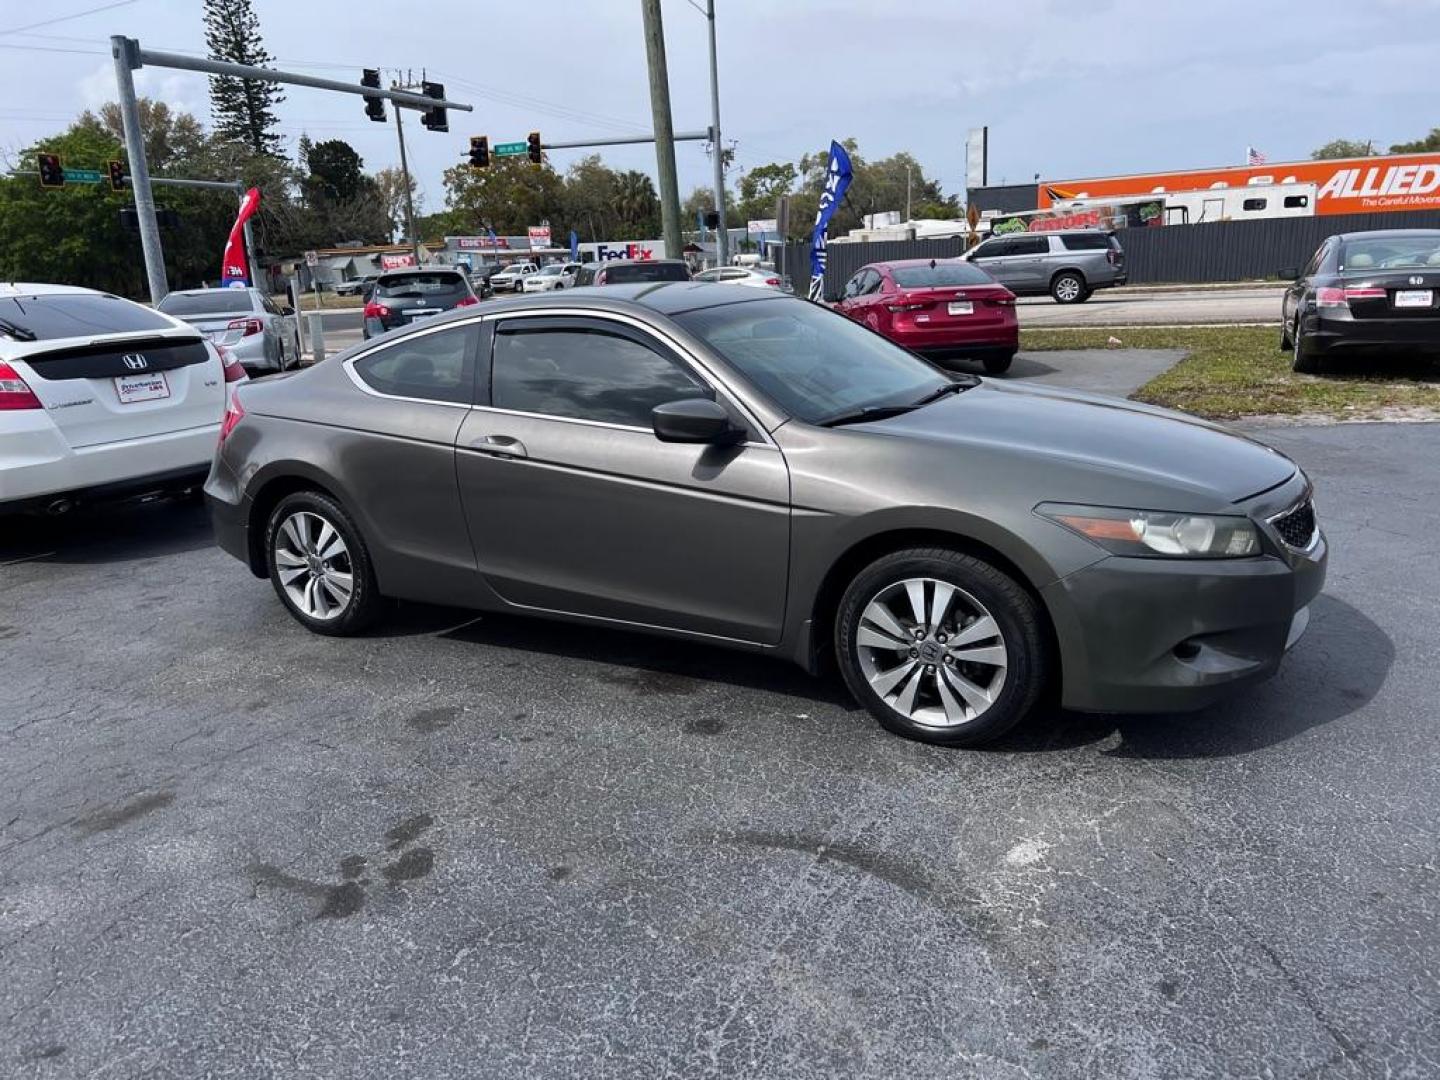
(135, 361)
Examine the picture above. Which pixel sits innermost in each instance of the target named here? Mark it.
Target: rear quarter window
(1087, 242)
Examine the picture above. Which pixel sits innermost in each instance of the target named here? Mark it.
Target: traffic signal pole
(129, 56)
(126, 52)
(664, 126)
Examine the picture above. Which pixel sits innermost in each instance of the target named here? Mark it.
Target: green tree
(390, 191)
(694, 207)
(507, 197)
(1342, 148)
(242, 109)
(637, 207)
(1428, 144)
(337, 172)
(761, 188)
(170, 136)
(589, 199)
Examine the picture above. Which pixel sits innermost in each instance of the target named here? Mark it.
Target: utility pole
(907, 193)
(125, 51)
(722, 239)
(664, 127)
(405, 180)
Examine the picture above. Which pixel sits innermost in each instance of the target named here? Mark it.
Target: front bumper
(1169, 635)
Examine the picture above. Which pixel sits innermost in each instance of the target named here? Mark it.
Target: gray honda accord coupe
(730, 466)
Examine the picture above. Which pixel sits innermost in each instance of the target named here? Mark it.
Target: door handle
(499, 446)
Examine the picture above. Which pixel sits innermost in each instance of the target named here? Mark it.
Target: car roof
(37, 288)
(1381, 234)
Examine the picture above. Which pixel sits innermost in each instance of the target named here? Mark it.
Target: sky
(1068, 88)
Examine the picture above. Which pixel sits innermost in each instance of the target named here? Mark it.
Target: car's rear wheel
(1302, 357)
(998, 365)
(319, 564)
(1068, 287)
(941, 647)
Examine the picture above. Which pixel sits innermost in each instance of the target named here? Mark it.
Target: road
(490, 846)
(1150, 307)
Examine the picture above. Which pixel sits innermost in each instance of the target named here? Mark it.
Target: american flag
(1253, 156)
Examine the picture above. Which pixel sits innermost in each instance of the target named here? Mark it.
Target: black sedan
(1365, 292)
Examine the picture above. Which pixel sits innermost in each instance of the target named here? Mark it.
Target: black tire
(364, 602)
(998, 365)
(1302, 359)
(1068, 287)
(983, 588)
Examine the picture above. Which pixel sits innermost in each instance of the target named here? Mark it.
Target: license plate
(421, 313)
(960, 307)
(134, 388)
(1414, 297)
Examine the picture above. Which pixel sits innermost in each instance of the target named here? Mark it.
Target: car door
(285, 328)
(992, 257)
(867, 307)
(1025, 262)
(1295, 292)
(576, 507)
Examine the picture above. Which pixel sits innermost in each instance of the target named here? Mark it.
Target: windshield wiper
(16, 331)
(866, 413)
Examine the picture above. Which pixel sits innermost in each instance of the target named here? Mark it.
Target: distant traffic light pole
(664, 126)
(129, 56)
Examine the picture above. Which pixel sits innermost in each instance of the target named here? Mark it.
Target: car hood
(1102, 433)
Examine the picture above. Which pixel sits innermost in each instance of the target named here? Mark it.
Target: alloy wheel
(931, 652)
(1067, 289)
(314, 565)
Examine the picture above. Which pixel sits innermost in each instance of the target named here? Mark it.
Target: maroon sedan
(944, 310)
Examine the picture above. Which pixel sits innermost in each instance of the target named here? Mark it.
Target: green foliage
(1429, 144)
(1342, 148)
(337, 172)
(242, 109)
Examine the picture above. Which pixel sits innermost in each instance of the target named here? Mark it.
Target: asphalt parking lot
(494, 847)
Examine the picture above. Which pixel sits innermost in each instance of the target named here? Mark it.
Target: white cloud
(181, 90)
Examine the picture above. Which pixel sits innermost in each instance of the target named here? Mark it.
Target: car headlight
(1156, 532)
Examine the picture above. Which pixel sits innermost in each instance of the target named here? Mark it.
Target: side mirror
(1288, 273)
(286, 309)
(694, 420)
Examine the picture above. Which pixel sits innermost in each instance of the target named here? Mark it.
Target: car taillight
(234, 413)
(246, 326)
(234, 372)
(1327, 296)
(1365, 292)
(467, 301)
(1008, 299)
(14, 394)
(772, 281)
(905, 307)
(1113, 257)
(376, 311)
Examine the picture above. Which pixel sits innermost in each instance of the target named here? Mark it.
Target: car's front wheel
(319, 564)
(941, 646)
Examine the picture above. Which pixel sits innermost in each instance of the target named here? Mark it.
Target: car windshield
(1391, 253)
(63, 315)
(646, 271)
(206, 302)
(940, 275)
(815, 364)
(420, 285)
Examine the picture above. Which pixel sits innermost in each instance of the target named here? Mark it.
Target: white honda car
(101, 397)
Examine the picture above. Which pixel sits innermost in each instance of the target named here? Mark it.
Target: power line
(50, 49)
(67, 18)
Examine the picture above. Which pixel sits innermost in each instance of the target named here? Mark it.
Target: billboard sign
(1345, 185)
(395, 262)
(762, 227)
(477, 243)
(539, 236)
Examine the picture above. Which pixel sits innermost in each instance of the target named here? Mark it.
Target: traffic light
(374, 106)
(117, 175)
(434, 119)
(532, 147)
(712, 219)
(479, 151)
(51, 174)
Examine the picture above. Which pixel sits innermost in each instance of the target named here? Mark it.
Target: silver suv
(1067, 265)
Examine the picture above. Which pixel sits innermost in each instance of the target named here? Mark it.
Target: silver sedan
(259, 333)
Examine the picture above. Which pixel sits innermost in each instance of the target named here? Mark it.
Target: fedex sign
(640, 249)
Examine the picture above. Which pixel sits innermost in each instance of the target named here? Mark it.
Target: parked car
(1068, 265)
(102, 398)
(356, 286)
(554, 276)
(1364, 292)
(480, 281)
(944, 310)
(752, 276)
(509, 278)
(261, 334)
(402, 297)
(755, 471)
(630, 271)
